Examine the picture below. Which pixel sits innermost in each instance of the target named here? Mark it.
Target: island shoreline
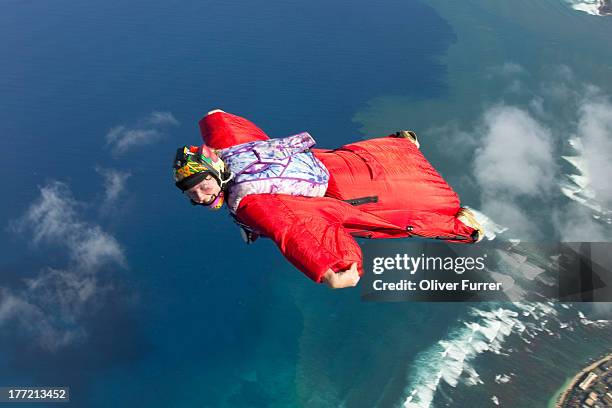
(573, 382)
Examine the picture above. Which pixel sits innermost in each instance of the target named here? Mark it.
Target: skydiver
(312, 202)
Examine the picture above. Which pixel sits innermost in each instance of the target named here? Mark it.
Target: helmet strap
(225, 179)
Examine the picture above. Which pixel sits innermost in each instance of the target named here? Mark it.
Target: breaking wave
(593, 7)
(577, 185)
(485, 331)
(451, 360)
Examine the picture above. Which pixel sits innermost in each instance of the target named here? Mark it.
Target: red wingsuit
(378, 188)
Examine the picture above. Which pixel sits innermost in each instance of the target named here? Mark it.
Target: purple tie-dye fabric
(275, 166)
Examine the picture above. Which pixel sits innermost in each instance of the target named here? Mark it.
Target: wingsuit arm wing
(308, 231)
(220, 130)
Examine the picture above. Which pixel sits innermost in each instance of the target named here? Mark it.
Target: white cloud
(511, 69)
(11, 306)
(587, 182)
(575, 223)
(52, 215)
(517, 87)
(511, 74)
(162, 118)
(565, 90)
(513, 162)
(511, 214)
(95, 248)
(517, 168)
(563, 73)
(122, 139)
(536, 105)
(506, 71)
(595, 133)
(516, 154)
(146, 131)
(49, 306)
(52, 219)
(43, 314)
(452, 141)
(115, 182)
(62, 292)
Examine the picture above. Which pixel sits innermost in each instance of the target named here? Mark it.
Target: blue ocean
(113, 285)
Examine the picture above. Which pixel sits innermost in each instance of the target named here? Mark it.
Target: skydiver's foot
(410, 135)
(467, 217)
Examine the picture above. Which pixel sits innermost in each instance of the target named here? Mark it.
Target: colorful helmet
(192, 164)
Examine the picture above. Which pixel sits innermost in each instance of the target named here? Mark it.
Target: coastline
(552, 402)
(571, 383)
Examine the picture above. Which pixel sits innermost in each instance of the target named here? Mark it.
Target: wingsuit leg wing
(389, 177)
